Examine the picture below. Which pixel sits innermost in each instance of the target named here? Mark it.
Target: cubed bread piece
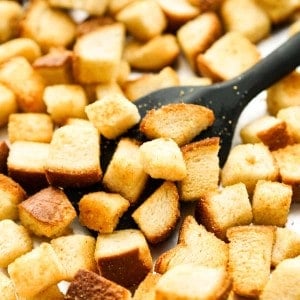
(202, 163)
(287, 245)
(197, 35)
(284, 93)
(146, 289)
(195, 245)
(125, 173)
(89, 285)
(75, 252)
(288, 159)
(223, 209)
(148, 56)
(28, 86)
(113, 115)
(65, 101)
(51, 293)
(11, 14)
(123, 256)
(35, 127)
(271, 131)
(57, 29)
(14, 242)
(192, 281)
(93, 22)
(246, 17)
(101, 211)
(47, 213)
(291, 116)
(148, 83)
(11, 194)
(20, 47)
(8, 104)
(26, 161)
(36, 271)
(4, 150)
(7, 289)
(179, 121)
(250, 250)
(97, 54)
(229, 56)
(271, 203)
(74, 157)
(284, 282)
(108, 89)
(162, 158)
(157, 216)
(143, 19)
(55, 67)
(249, 163)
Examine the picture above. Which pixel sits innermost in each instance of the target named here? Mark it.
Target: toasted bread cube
(123, 256)
(57, 29)
(50, 293)
(108, 89)
(179, 121)
(284, 93)
(28, 85)
(255, 24)
(249, 163)
(146, 289)
(97, 55)
(36, 271)
(148, 83)
(287, 245)
(11, 14)
(113, 115)
(78, 163)
(271, 203)
(190, 281)
(26, 161)
(11, 194)
(217, 217)
(101, 211)
(65, 101)
(250, 250)
(143, 19)
(4, 150)
(197, 35)
(291, 116)
(14, 242)
(125, 173)
(35, 127)
(89, 285)
(202, 163)
(75, 252)
(271, 131)
(7, 290)
(47, 213)
(8, 104)
(157, 216)
(162, 158)
(229, 56)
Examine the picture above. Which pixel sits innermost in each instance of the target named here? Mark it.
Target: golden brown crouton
(146, 289)
(7, 289)
(50, 293)
(8, 104)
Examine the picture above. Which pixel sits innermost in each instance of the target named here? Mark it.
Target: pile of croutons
(70, 73)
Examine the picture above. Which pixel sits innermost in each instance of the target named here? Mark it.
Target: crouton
(179, 121)
(157, 216)
(50, 293)
(250, 250)
(229, 56)
(101, 211)
(162, 158)
(47, 213)
(14, 242)
(89, 285)
(123, 256)
(35, 271)
(108, 89)
(146, 289)
(125, 173)
(74, 157)
(4, 150)
(249, 163)
(229, 207)
(202, 163)
(8, 104)
(7, 290)
(113, 115)
(271, 203)
(35, 127)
